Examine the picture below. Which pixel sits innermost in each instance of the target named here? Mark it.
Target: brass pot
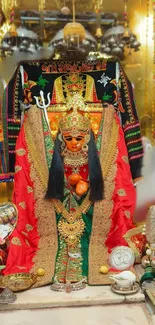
(18, 281)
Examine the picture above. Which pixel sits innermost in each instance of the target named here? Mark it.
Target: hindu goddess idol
(75, 196)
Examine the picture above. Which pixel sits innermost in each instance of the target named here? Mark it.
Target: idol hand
(81, 188)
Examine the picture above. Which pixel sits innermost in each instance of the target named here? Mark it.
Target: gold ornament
(40, 272)
(75, 159)
(126, 34)
(71, 232)
(99, 33)
(74, 29)
(104, 269)
(65, 11)
(75, 122)
(13, 30)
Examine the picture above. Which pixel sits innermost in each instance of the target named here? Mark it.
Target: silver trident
(43, 105)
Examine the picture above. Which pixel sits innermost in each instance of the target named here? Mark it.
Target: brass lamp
(74, 33)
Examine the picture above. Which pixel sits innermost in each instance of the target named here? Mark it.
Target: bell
(22, 48)
(61, 45)
(65, 11)
(126, 35)
(136, 49)
(31, 48)
(132, 38)
(82, 52)
(93, 47)
(99, 33)
(121, 46)
(72, 39)
(113, 45)
(74, 28)
(135, 45)
(117, 51)
(102, 48)
(86, 43)
(112, 40)
(13, 30)
(107, 50)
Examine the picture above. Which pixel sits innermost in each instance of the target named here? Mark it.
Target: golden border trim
(44, 210)
(98, 252)
(90, 108)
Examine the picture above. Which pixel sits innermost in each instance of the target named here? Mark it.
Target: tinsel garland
(153, 93)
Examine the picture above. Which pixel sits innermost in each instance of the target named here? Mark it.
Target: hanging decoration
(65, 10)
(58, 46)
(18, 39)
(126, 35)
(74, 32)
(4, 28)
(12, 6)
(41, 4)
(97, 7)
(145, 119)
(73, 42)
(153, 92)
(120, 38)
(146, 58)
(24, 40)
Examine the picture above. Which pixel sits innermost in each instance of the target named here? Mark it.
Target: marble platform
(44, 297)
(124, 314)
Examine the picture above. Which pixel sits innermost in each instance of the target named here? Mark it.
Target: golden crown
(75, 122)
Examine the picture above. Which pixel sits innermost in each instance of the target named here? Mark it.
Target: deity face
(74, 144)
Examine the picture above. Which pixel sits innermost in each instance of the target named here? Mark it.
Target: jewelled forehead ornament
(74, 122)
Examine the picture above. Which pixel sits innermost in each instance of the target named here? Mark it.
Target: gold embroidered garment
(42, 221)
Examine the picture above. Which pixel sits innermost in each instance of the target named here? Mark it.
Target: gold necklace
(72, 216)
(75, 159)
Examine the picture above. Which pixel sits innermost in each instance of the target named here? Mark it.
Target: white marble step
(124, 314)
(90, 296)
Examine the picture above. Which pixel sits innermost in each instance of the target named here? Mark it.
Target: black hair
(55, 188)
(95, 172)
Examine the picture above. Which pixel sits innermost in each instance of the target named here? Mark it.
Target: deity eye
(68, 138)
(79, 138)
